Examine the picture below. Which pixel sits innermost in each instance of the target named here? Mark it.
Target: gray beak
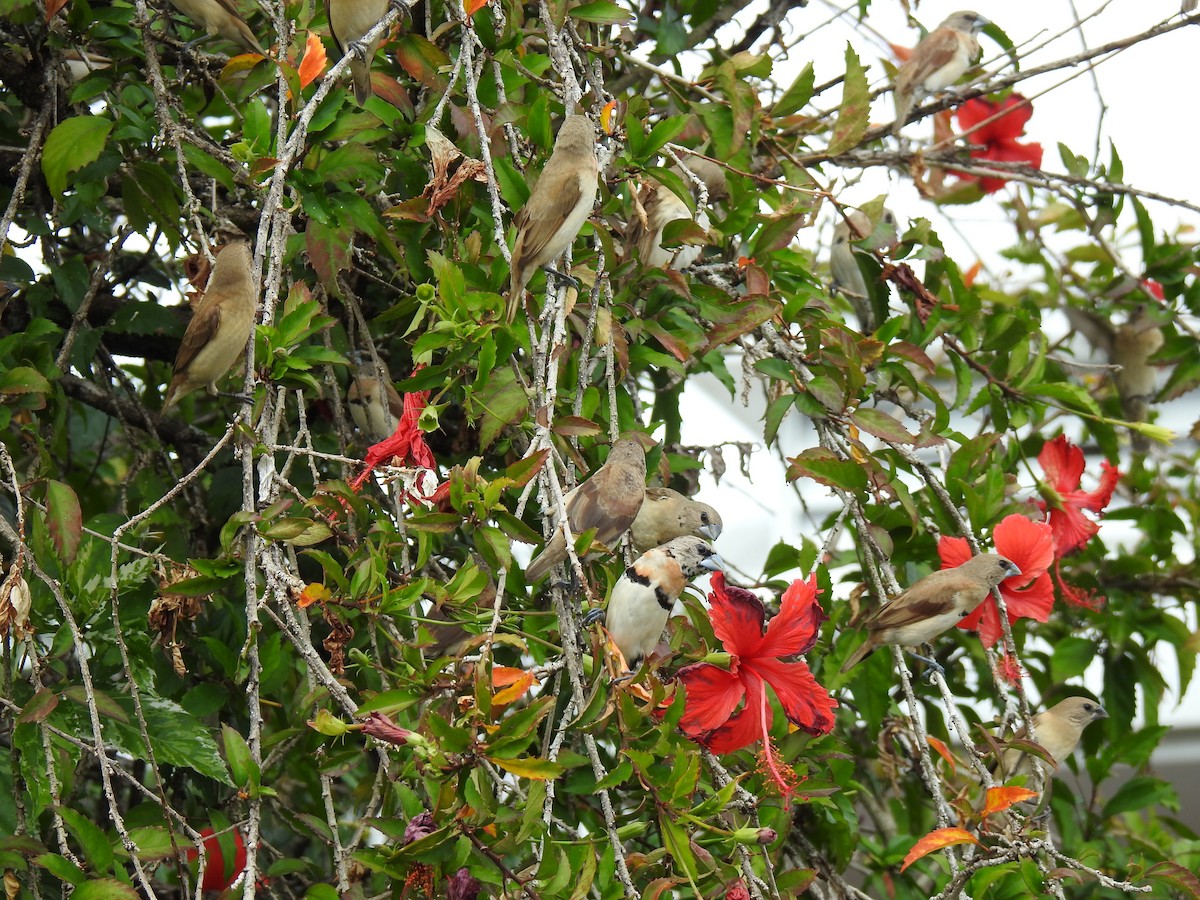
(1015, 569)
(1101, 713)
(713, 563)
(712, 530)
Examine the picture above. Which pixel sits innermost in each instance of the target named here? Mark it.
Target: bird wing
(608, 502)
(937, 50)
(934, 595)
(203, 328)
(538, 234)
(333, 32)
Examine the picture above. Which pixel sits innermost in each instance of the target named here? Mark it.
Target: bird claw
(562, 277)
(934, 667)
(593, 616)
(241, 398)
(359, 49)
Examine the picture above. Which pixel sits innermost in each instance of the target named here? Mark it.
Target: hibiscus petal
(986, 620)
(743, 727)
(737, 617)
(1012, 113)
(1027, 543)
(806, 704)
(954, 551)
(712, 694)
(1032, 602)
(1063, 464)
(1072, 529)
(1099, 498)
(795, 629)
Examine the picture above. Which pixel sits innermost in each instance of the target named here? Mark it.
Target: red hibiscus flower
(1063, 464)
(998, 137)
(407, 444)
(1029, 595)
(712, 716)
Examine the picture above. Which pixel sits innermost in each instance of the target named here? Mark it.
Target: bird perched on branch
(221, 324)
(349, 20)
(1057, 729)
(667, 514)
(662, 205)
(221, 17)
(375, 406)
(843, 261)
(558, 205)
(1129, 348)
(938, 61)
(642, 599)
(936, 602)
(608, 502)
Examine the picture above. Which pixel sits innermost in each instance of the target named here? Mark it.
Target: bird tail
(865, 649)
(904, 105)
(361, 73)
(514, 303)
(541, 565)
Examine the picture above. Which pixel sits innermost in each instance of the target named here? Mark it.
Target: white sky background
(1151, 91)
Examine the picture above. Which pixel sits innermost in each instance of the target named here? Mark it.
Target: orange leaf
(1001, 798)
(936, 840)
(901, 53)
(517, 682)
(971, 274)
(607, 117)
(313, 593)
(942, 750)
(314, 61)
(474, 6)
(52, 8)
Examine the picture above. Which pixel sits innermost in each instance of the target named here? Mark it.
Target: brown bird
(662, 206)
(1189, 5)
(375, 406)
(938, 61)
(843, 260)
(349, 20)
(642, 599)
(608, 502)
(667, 514)
(936, 602)
(1058, 730)
(558, 206)
(220, 327)
(221, 17)
(1128, 346)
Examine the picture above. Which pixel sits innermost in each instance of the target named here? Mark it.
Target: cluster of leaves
(232, 637)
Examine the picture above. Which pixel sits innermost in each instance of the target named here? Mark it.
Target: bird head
(693, 555)
(1080, 711)
(966, 21)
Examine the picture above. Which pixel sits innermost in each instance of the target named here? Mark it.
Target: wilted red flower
(419, 826)
(1063, 464)
(712, 716)
(998, 137)
(737, 891)
(1009, 668)
(1029, 595)
(380, 727)
(407, 444)
(1154, 289)
(462, 885)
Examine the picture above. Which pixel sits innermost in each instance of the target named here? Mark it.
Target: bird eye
(704, 517)
(1089, 707)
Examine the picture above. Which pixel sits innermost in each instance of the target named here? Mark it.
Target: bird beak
(713, 563)
(1015, 569)
(712, 530)
(1101, 713)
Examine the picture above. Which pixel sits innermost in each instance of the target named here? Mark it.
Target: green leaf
(798, 94)
(1141, 792)
(64, 518)
(530, 767)
(821, 465)
(601, 12)
(73, 144)
(504, 402)
(855, 112)
(23, 380)
(92, 841)
(105, 889)
(241, 762)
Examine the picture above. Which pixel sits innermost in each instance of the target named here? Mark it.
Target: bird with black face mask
(642, 599)
(935, 603)
(942, 57)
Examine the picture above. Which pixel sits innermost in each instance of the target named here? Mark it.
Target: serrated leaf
(936, 840)
(822, 465)
(530, 767)
(797, 94)
(64, 518)
(73, 144)
(855, 112)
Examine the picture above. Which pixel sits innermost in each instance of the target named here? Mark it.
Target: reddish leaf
(474, 6)
(314, 61)
(389, 89)
(52, 8)
(422, 60)
(576, 426)
(936, 840)
(64, 519)
(942, 750)
(40, 705)
(328, 249)
(515, 683)
(1001, 798)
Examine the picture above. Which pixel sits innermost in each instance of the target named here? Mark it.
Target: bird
(221, 17)
(667, 514)
(375, 406)
(349, 20)
(936, 602)
(662, 205)
(1129, 347)
(1189, 5)
(220, 327)
(1058, 730)
(557, 207)
(642, 599)
(843, 261)
(609, 501)
(938, 61)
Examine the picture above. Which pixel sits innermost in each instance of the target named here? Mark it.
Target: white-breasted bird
(938, 61)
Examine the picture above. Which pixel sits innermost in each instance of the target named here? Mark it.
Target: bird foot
(933, 666)
(593, 616)
(359, 49)
(241, 398)
(562, 277)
